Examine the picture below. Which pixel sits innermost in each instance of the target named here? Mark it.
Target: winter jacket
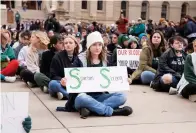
(22, 56)
(145, 62)
(189, 75)
(122, 25)
(17, 17)
(169, 63)
(190, 28)
(138, 29)
(17, 49)
(61, 61)
(8, 52)
(46, 61)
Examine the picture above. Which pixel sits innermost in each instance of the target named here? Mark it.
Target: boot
(84, 113)
(125, 111)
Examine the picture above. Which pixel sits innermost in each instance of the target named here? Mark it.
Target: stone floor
(154, 112)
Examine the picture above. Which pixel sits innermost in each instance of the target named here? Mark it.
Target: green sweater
(8, 52)
(189, 74)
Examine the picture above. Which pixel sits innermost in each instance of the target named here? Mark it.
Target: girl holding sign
(103, 104)
(64, 59)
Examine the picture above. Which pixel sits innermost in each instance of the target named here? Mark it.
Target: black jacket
(46, 61)
(61, 61)
(169, 63)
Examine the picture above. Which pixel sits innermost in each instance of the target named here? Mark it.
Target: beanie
(141, 35)
(93, 38)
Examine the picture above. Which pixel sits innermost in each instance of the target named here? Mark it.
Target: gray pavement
(154, 112)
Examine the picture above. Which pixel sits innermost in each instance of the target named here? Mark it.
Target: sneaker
(192, 98)
(10, 79)
(84, 113)
(45, 89)
(173, 91)
(30, 85)
(125, 111)
(59, 95)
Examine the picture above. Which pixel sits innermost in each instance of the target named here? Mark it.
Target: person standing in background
(17, 20)
(39, 3)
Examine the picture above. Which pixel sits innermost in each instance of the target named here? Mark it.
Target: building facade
(102, 11)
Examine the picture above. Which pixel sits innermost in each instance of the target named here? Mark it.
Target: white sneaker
(60, 95)
(192, 98)
(173, 91)
(10, 79)
(45, 89)
(30, 85)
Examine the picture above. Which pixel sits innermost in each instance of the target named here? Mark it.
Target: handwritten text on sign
(128, 57)
(14, 109)
(96, 79)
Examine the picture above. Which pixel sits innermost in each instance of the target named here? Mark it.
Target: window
(84, 4)
(9, 4)
(184, 10)
(124, 7)
(99, 5)
(144, 10)
(165, 10)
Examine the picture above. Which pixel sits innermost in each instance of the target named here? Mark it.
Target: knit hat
(132, 39)
(125, 38)
(93, 38)
(122, 38)
(141, 35)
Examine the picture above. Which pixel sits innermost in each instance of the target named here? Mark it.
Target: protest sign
(96, 79)
(128, 57)
(14, 109)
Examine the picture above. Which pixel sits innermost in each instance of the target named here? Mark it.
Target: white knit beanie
(93, 38)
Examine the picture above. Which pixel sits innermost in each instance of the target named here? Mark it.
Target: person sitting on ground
(24, 38)
(133, 42)
(39, 41)
(9, 64)
(148, 62)
(143, 37)
(102, 104)
(114, 43)
(55, 46)
(64, 59)
(187, 84)
(171, 66)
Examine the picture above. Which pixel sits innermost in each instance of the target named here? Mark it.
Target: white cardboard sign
(128, 57)
(96, 79)
(14, 109)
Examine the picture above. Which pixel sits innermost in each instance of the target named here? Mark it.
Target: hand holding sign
(63, 82)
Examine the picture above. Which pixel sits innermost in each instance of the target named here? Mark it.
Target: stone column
(134, 10)
(109, 9)
(93, 9)
(155, 10)
(18, 4)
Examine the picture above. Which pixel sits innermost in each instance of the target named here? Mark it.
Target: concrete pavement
(154, 112)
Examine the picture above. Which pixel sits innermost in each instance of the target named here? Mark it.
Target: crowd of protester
(38, 54)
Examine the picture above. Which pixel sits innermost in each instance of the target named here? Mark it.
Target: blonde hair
(76, 49)
(43, 39)
(3, 32)
(102, 55)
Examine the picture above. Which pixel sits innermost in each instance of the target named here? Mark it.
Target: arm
(31, 63)
(189, 70)
(21, 58)
(55, 70)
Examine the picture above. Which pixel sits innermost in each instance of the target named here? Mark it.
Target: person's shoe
(125, 111)
(173, 91)
(192, 98)
(59, 95)
(30, 85)
(84, 113)
(10, 79)
(45, 89)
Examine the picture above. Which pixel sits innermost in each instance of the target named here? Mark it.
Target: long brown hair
(161, 47)
(102, 55)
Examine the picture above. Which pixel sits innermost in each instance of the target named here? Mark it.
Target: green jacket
(7, 53)
(17, 17)
(145, 62)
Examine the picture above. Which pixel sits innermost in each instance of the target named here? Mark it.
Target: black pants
(190, 89)
(27, 76)
(20, 68)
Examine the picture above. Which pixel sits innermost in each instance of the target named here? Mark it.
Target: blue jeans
(102, 104)
(147, 77)
(173, 84)
(55, 87)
